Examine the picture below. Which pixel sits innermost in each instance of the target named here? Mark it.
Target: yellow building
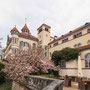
(78, 38)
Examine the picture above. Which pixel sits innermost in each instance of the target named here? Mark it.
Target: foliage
(1, 66)
(64, 54)
(6, 85)
(56, 56)
(26, 63)
(2, 74)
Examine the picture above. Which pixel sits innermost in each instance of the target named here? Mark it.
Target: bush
(2, 77)
(66, 54)
(2, 74)
(1, 66)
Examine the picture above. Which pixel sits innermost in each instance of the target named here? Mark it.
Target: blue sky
(62, 15)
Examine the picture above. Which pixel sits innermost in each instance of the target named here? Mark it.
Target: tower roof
(25, 27)
(15, 29)
(44, 25)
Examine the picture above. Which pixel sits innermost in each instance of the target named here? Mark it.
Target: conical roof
(25, 27)
(15, 29)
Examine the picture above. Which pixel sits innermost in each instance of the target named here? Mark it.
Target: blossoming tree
(26, 63)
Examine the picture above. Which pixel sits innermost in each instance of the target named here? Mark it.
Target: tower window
(46, 29)
(40, 30)
(87, 61)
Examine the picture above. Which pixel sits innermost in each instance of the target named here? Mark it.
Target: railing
(42, 83)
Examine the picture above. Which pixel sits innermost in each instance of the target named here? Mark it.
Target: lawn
(6, 85)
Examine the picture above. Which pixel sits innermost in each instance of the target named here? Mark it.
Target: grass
(6, 85)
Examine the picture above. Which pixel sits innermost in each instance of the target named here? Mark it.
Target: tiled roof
(71, 32)
(28, 36)
(4, 50)
(25, 27)
(84, 47)
(9, 39)
(15, 29)
(44, 25)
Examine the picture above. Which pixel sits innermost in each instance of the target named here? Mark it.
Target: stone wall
(39, 83)
(42, 83)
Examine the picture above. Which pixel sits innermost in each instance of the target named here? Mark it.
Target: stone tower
(44, 37)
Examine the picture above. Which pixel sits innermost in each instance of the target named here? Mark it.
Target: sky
(62, 15)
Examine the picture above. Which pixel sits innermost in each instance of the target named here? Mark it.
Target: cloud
(62, 15)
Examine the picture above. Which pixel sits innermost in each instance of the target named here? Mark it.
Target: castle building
(78, 38)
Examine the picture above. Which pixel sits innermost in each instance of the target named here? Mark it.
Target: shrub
(2, 74)
(66, 54)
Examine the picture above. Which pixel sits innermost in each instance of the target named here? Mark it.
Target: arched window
(87, 60)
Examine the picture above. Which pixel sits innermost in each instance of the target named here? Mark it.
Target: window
(88, 42)
(87, 61)
(14, 40)
(45, 48)
(26, 44)
(77, 45)
(77, 35)
(88, 31)
(65, 40)
(21, 43)
(55, 44)
(62, 64)
(46, 29)
(14, 50)
(40, 30)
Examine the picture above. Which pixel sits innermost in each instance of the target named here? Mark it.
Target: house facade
(78, 38)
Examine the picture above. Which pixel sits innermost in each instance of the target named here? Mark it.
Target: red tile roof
(84, 47)
(4, 50)
(15, 29)
(9, 39)
(71, 32)
(28, 35)
(25, 27)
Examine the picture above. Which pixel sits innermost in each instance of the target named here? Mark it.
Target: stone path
(73, 87)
